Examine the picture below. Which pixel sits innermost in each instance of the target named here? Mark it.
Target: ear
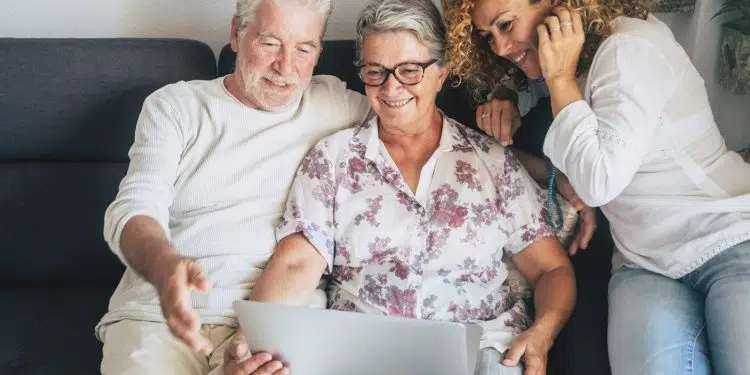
(444, 72)
(234, 35)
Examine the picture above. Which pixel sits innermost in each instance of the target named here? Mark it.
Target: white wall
(208, 20)
(701, 37)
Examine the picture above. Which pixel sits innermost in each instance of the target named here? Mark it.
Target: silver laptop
(328, 342)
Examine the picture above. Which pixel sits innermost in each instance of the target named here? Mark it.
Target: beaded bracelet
(552, 197)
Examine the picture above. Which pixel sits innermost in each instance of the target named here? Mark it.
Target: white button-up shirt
(643, 144)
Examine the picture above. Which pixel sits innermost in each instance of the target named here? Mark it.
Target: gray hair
(420, 17)
(246, 9)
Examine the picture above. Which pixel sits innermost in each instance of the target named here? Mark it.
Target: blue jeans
(699, 324)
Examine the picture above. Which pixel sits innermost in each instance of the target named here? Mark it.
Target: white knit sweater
(215, 173)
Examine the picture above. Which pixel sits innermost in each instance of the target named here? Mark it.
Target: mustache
(291, 80)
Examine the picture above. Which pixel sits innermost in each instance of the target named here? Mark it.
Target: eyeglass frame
(423, 65)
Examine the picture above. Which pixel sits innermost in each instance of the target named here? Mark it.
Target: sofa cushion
(68, 109)
(78, 99)
(51, 330)
(52, 221)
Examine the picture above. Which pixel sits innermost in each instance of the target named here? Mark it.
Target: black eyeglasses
(408, 73)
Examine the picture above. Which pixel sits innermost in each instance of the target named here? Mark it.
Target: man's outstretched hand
(239, 361)
(177, 276)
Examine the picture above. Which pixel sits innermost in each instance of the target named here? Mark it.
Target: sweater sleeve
(359, 107)
(600, 143)
(148, 187)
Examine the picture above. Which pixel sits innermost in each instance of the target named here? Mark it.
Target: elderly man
(210, 169)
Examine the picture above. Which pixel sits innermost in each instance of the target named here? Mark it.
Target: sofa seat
(50, 330)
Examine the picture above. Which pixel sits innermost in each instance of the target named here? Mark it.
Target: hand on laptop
(532, 348)
(239, 361)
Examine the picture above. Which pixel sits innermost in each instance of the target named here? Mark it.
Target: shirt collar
(452, 138)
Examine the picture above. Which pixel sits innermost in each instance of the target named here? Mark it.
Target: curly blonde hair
(474, 62)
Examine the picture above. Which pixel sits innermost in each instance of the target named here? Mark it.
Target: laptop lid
(329, 342)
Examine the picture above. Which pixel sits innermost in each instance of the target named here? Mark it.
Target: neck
(423, 134)
(232, 84)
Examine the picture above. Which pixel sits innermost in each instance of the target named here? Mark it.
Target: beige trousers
(148, 348)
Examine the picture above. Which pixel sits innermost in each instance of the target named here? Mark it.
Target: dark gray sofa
(68, 109)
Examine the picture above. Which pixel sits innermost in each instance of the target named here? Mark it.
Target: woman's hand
(500, 119)
(561, 38)
(238, 361)
(531, 347)
(586, 215)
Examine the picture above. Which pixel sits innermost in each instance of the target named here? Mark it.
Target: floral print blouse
(445, 257)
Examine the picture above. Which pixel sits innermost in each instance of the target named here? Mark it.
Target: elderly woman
(412, 214)
(634, 133)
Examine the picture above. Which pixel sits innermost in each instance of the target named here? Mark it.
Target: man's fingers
(263, 366)
(246, 366)
(196, 278)
(185, 325)
(238, 350)
(190, 335)
(193, 339)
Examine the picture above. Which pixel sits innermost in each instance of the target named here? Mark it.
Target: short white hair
(420, 17)
(246, 9)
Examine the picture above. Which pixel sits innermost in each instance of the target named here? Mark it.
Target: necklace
(552, 197)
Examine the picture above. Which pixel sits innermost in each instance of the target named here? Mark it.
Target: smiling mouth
(279, 84)
(396, 103)
(518, 58)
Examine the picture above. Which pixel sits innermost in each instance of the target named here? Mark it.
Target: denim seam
(691, 352)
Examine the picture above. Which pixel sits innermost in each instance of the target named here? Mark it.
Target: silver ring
(566, 23)
(485, 115)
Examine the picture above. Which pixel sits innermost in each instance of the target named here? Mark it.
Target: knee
(135, 347)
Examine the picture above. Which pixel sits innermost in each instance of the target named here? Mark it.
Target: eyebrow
(494, 19)
(267, 34)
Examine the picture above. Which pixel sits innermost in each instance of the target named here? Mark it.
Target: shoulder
(328, 99)
(187, 89)
(640, 37)
(337, 145)
(643, 50)
(180, 99)
(329, 87)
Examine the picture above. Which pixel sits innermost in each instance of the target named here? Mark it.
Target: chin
(274, 102)
(396, 118)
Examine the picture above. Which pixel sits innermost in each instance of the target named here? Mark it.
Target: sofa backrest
(337, 59)
(68, 109)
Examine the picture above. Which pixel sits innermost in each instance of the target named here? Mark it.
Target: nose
(501, 43)
(391, 83)
(284, 65)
